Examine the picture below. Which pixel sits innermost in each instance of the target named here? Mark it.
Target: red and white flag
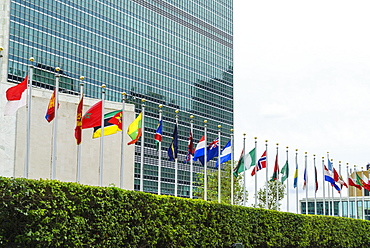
(17, 97)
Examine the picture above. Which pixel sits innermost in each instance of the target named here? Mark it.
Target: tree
(212, 185)
(273, 187)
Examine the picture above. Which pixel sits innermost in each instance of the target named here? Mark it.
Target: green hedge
(47, 213)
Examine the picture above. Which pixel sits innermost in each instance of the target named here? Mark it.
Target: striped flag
(158, 135)
(296, 176)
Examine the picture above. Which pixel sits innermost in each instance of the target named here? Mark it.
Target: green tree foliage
(273, 188)
(212, 185)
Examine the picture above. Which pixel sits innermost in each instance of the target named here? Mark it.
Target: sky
(302, 79)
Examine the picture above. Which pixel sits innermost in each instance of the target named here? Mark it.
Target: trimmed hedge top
(49, 213)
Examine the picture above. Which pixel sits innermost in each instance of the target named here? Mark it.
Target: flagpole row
(232, 167)
(267, 182)
(124, 95)
(79, 146)
(101, 162)
(205, 160)
(305, 168)
(55, 124)
(255, 179)
(244, 177)
(191, 157)
(176, 160)
(28, 135)
(142, 145)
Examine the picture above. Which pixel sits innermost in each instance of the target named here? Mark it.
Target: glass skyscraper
(178, 53)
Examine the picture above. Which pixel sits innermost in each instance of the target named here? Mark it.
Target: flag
(212, 151)
(329, 178)
(190, 148)
(134, 130)
(242, 165)
(199, 149)
(330, 165)
(172, 150)
(109, 128)
(316, 182)
(50, 112)
(360, 182)
(17, 97)
(339, 179)
(78, 128)
(260, 164)
(117, 119)
(275, 175)
(285, 172)
(304, 179)
(225, 154)
(365, 182)
(158, 135)
(352, 182)
(296, 176)
(92, 117)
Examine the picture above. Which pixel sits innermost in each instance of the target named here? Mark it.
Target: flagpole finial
(331, 160)
(192, 116)
(1, 48)
(244, 134)
(314, 155)
(82, 77)
(32, 59)
(205, 121)
(277, 144)
(322, 158)
(177, 111)
(57, 69)
(160, 105)
(255, 138)
(124, 94)
(305, 152)
(340, 161)
(296, 150)
(266, 141)
(103, 86)
(231, 130)
(219, 126)
(143, 100)
(287, 147)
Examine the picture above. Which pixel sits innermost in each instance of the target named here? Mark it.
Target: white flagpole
(55, 125)
(277, 178)
(296, 188)
(142, 146)
(356, 208)
(28, 136)
(160, 155)
(176, 159)
(314, 164)
(122, 140)
(363, 193)
(205, 160)
(332, 191)
(219, 164)
(305, 169)
(255, 179)
(348, 212)
(323, 186)
(232, 167)
(101, 162)
(340, 193)
(267, 180)
(287, 183)
(79, 146)
(191, 159)
(244, 178)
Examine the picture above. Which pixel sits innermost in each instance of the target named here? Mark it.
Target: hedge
(49, 213)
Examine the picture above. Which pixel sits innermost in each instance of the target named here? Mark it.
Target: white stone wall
(41, 141)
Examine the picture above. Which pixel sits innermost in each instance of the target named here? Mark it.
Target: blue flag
(225, 154)
(212, 151)
(172, 150)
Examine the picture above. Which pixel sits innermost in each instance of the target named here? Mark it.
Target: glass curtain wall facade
(178, 53)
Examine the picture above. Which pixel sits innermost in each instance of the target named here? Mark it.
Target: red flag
(117, 120)
(16, 97)
(275, 175)
(50, 112)
(78, 129)
(351, 182)
(92, 117)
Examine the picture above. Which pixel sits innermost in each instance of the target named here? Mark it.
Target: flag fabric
(199, 149)
(361, 182)
(172, 150)
(134, 129)
(250, 160)
(212, 151)
(92, 117)
(330, 165)
(225, 154)
(190, 148)
(304, 179)
(296, 176)
(17, 97)
(316, 182)
(275, 175)
(352, 182)
(50, 112)
(285, 172)
(329, 178)
(158, 135)
(117, 119)
(109, 128)
(339, 179)
(78, 128)
(260, 164)
(365, 181)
